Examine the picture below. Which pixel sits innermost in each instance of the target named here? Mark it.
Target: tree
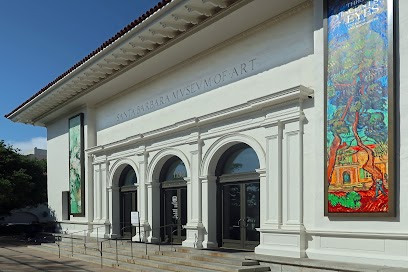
(23, 181)
(357, 91)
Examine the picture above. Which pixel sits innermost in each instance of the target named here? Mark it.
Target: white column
(153, 195)
(114, 211)
(194, 227)
(142, 198)
(209, 211)
(97, 194)
(104, 192)
(293, 178)
(282, 233)
(271, 189)
(100, 194)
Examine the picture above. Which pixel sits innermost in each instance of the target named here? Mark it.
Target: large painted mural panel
(359, 94)
(76, 165)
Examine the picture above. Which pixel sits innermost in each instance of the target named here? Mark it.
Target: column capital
(113, 188)
(152, 184)
(208, 179)
(261, 172)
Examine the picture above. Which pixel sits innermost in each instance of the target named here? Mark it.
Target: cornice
(162, 29)
(295, 94)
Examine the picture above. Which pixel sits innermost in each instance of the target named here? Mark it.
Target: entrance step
(167, 259)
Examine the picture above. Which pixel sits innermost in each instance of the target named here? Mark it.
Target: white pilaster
(271, 190)
(114, 211)
(194, 227)
(283, 233)
(153, 195)
(142, 199)
(104, 193)
(209, 204)
(97, 194)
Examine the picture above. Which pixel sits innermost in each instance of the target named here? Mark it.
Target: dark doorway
(240, 207)
(173, 201)
(238, 198)
(128, 200)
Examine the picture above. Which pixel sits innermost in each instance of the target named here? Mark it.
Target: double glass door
(128, 201)
(240, 215)
(174, 214)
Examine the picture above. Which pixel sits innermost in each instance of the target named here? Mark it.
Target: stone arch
(159, 160)
(218, 148)
(117, 169)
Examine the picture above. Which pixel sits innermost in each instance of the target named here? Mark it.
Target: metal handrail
(131, 242)
(100, 242)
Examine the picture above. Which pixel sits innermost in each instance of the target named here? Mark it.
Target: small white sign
(134, 218)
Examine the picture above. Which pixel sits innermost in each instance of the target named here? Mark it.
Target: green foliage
(350, 200)
(381, 149)
(23, 181)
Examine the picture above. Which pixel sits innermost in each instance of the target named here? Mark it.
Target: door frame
(133, 191)
(177, 185)
(240, 179)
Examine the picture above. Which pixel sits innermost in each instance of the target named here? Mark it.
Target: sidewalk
(15, 256)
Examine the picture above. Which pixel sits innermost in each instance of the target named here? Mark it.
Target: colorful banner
(76, 165)
(359, 108)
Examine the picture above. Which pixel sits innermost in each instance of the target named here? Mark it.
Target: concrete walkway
(15, 256)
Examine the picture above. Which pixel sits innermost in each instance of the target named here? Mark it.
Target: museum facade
(208, 118)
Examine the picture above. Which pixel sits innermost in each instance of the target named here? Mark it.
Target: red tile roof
(122, 32)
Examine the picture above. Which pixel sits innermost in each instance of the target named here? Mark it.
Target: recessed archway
(208, 170)
(124, 196)
(160, 184)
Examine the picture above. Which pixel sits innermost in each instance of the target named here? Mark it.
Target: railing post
(131, 247)
(101, 255)
(72, 246)
(85, 241)
(59, 249)
(145, 238)
(171, 237)
(117, 262)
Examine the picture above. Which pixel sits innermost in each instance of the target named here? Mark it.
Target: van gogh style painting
(76, 176)
(358, 112)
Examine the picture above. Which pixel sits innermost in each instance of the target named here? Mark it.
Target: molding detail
(294, 95)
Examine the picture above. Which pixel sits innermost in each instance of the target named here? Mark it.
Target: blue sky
(42, 39)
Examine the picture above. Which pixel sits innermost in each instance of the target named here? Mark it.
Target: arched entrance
(128, 200)
(238, 198)
(173, 194)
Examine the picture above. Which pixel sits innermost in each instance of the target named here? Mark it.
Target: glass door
(175, 214)
(240, 215)
(128, 205)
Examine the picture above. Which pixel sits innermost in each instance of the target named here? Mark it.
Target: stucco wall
(277, 55)
(281, 52)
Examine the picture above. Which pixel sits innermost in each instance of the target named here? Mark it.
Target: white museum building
(207, 117)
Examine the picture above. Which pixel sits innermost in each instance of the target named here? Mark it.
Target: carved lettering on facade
(194, 88)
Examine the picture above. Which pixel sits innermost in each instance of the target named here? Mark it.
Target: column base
(283, 242)
(195, 235)
(140, 235)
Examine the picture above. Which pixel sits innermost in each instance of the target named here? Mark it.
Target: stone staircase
(123, 255)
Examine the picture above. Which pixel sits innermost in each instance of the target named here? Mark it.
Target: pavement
(16, 256)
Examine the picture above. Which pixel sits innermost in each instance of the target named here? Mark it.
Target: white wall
(57, 164)
(283, 53)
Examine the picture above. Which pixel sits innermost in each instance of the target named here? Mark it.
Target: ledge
(324, 265)
(294, 94)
